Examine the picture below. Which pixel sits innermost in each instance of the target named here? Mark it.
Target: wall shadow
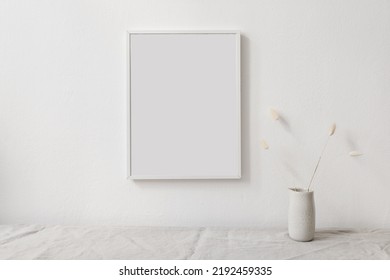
(245, 137)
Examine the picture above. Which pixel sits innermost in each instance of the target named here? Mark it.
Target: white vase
(301, 215)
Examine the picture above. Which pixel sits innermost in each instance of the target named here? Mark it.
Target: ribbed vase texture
(301, 215)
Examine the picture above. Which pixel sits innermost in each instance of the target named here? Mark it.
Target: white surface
(185, 105)
(64, 242)
(63, 113)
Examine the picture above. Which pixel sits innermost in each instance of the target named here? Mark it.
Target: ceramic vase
(301, 215)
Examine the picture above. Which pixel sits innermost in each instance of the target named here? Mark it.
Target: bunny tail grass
(332, 130)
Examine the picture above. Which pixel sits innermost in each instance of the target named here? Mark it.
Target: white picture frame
(184, 108)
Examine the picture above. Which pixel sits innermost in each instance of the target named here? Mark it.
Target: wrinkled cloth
(143, 243)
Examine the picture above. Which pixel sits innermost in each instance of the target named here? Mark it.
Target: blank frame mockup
(184, 105)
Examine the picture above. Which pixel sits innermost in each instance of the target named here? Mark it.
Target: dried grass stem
(318, 162)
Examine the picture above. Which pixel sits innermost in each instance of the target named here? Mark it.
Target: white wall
(63, 113)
